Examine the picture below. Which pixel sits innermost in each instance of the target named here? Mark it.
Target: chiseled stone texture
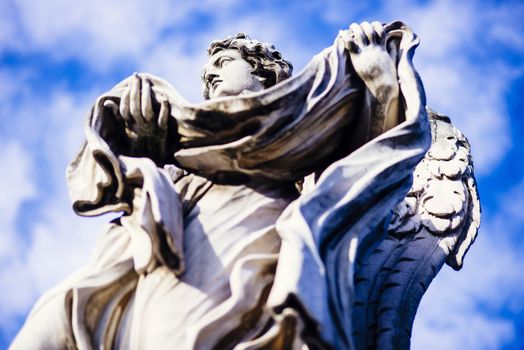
(281, 213)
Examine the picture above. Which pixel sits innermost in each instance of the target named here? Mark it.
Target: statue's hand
(146, 117)
(371, 60)
(367, 49)
(137, 108)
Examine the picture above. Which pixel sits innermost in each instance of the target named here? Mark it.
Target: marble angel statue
(303, 212)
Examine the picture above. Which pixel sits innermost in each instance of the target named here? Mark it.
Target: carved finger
(147, 103)
(111, 105)
(379, 30)
(134, 101)
(359, 38)
(353, 48)
(369, 32)
(124, 105)
(163, 117)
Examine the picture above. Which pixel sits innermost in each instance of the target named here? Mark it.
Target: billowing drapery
(268, 139)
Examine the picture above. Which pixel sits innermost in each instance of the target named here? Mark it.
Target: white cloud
(506, 25)
(457, 85)
(342, 12)
(99, 32)
(41, 239)
(462, 71)
(102, 33)
(460, 309)
(59, 244)
(170, 59)
(8, 25)
(463, 329)
(16, 186)
(57, 241)
(475, 102)
(182, 69)
(91, 30)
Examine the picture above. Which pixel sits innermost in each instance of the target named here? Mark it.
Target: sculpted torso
(229, 235)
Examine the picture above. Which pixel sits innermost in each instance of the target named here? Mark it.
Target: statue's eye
(224, 60)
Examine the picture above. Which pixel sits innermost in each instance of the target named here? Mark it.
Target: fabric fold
(279, 135)
(322, 230)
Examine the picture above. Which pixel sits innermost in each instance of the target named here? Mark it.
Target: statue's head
(240, 64)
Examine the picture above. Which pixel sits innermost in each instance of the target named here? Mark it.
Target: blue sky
(57, 56)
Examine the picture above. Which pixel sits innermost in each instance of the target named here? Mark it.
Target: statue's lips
(215, 83)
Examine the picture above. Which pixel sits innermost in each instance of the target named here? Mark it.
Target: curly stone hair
(267, 62)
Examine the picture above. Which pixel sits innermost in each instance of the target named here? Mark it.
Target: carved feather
(444, 197)
(436, 223)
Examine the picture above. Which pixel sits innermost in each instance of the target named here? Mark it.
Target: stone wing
(436, 223)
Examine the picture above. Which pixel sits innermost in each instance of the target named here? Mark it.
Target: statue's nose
(210, 77)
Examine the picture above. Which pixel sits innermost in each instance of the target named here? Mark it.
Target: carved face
(228, 74)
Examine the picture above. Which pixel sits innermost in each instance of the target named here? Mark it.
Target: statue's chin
(224, 91)
(225, 94)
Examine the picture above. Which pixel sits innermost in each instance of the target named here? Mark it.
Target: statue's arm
(142, 111)
(327, 228)
(373, 59)
(117, 170)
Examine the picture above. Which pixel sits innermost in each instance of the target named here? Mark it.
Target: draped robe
(198, 261)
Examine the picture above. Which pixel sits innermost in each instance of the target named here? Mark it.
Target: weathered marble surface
(216, 247)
